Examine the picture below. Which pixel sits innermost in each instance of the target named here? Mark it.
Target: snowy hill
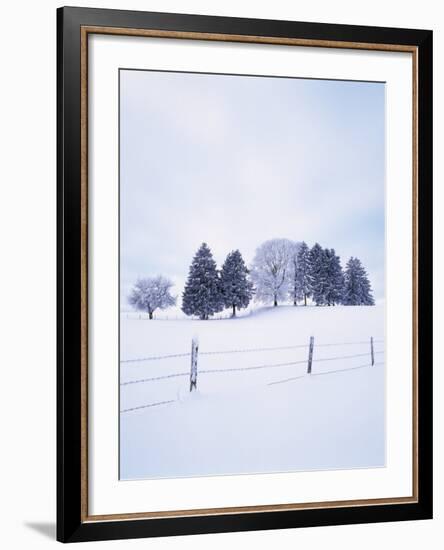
(256, 409)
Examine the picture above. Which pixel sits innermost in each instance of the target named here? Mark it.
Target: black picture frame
(71, 523)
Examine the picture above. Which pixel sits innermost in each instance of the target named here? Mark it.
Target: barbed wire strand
(322, 373)
(249, 350)
(155, 378)
(287, 379)
(155, 358)
(343, 370)
(148, 406)
(338, 358)
(239, 369)
(366, 342)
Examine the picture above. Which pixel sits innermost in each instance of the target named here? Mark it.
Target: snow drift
(253, 411)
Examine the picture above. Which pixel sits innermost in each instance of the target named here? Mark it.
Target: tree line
(281, 270)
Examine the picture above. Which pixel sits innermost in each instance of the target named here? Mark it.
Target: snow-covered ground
(241, 421)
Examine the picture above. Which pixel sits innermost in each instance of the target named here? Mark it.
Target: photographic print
(252, 274)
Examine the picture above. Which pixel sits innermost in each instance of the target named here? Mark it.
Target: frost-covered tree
(151, 293)
(295, 291)
(202, 295)
(334, 286)
(237, 290)
(318, 274)
(270, 270)
(357, 287)
(303, 272)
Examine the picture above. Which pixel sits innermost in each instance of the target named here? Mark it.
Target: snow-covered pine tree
(152, 293)
(202, 295)
(334, 288)
(237, 290)
(318, 274)
(295, 291)
(303, 272)
(357, 287)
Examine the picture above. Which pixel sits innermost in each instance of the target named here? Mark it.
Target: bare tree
(271, 270)
(152, 293)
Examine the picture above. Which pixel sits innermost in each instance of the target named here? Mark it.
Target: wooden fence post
(372, 351)
(310, 354)
(193, 371)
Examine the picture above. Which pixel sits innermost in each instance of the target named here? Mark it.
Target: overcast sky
(236, 160)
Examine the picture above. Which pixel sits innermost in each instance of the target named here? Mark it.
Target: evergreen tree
(237, 290)
(303, 272)
(357, 288)
(202, 295)
(295, 292)
(334, 288)
(318, 274)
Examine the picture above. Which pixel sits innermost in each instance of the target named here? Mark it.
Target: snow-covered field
(241, 421)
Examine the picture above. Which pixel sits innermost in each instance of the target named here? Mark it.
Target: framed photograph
(244, 274)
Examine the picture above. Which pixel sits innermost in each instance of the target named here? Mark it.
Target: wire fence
(371, 353)
(256, 367)
(159, 316)
(242, 350)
